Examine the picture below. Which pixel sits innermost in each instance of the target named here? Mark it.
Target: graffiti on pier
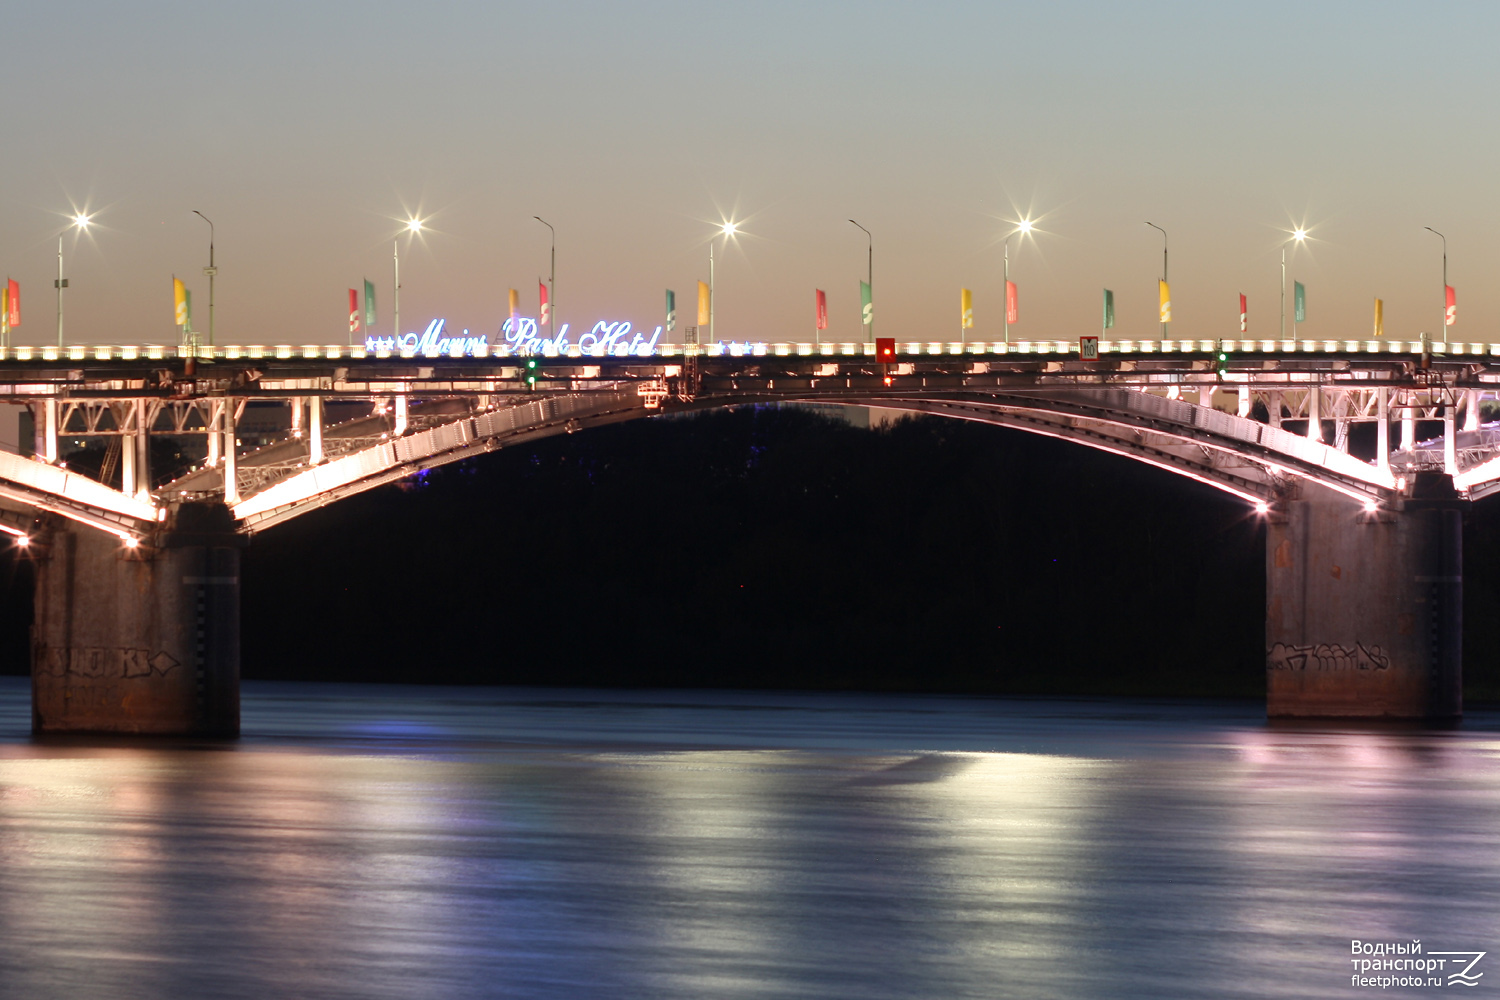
(102, 661)
(1327, 656)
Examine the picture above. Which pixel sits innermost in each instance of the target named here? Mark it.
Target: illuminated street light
(728, 230)
(1024, 227)
(81, 223)
(413, 227)
(1298, 235)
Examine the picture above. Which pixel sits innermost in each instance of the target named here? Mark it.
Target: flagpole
(396, 280)
(60, 287)
(711, 339)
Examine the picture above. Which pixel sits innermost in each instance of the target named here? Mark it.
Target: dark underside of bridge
(771, 547)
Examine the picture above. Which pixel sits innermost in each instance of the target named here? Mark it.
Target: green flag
(1109, 309)
(187, 300)
(1299, 302)
(369, 306)
(671, 310)
(867, 304)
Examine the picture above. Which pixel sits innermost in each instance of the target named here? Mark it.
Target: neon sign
(604, 340)
(432, 341)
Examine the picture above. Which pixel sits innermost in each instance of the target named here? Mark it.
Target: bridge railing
(904, 348)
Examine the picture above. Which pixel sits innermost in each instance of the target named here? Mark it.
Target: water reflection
(366, 842)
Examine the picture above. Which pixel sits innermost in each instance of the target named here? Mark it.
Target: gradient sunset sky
(309, 131)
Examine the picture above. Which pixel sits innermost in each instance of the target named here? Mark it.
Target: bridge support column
(139, 640)
(1364, 611)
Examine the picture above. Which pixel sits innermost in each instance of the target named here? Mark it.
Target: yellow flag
(1166, 302)
(1379, 318)
(4, 310)
(515, 303)
(702, 304)
(179, 299)
(966, 307)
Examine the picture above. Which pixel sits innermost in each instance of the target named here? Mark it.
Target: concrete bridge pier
(139, 639)
(1364, 609)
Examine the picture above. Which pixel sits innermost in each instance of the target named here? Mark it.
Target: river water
(395, 842)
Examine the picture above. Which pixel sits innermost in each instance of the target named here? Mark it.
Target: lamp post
(81, 222)
(1297, 237)
(728, 230)
(412, 226)
(210, 270)
(869, 273)
(551, 282)
(1442, 327)
(1023, 227)
(1163, 232)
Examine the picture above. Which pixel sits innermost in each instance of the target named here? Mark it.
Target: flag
(1012, 311)
(822, 309)
(1299, 303)
(671, 310)
(369, 305)
(1164, 291)
(866, 304)
(353, 311)
(1451, 310)
(1244, 326)
(544, 314)
(14, 287)
(179, 301)
(4, 310)
(1109, 309)
(703, 304)
(187, 297)
(515, 303)
(1379, 318)
(966, 308)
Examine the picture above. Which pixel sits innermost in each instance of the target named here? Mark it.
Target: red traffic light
(885, 349)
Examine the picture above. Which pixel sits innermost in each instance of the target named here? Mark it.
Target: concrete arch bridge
(1362, 461)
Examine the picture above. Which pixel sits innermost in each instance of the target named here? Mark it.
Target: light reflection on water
(409, 842)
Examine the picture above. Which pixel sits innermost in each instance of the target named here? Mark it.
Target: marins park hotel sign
(522, 336)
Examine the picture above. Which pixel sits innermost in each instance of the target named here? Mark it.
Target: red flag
(1243, 325)
(1010, 302)
(14, 288)
(822, 309)
(544, 315)
(1452, 310)
(353, 312)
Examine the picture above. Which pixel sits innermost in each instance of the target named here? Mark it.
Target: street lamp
(210, 270)
(81, 223)
(728, 229)
(1298, 235)
(1163, 232)
(551, 282)
(413, 226)
(869, 274)
(1442, 328)
(1023, 227)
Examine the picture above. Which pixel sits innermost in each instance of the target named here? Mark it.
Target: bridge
(1361, 455)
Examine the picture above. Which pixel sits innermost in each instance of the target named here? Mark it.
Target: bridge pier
(140, 639)
(1364, 610)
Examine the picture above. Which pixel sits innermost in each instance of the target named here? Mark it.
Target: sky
(309, 133)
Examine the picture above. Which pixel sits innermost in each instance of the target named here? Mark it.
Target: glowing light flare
(22, 541)
(414, 225)
(1024, 227)
(81, 220)
(1299, 235)
(1261, 507)
(132, 542)
(729, 229)
(1371, 506)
